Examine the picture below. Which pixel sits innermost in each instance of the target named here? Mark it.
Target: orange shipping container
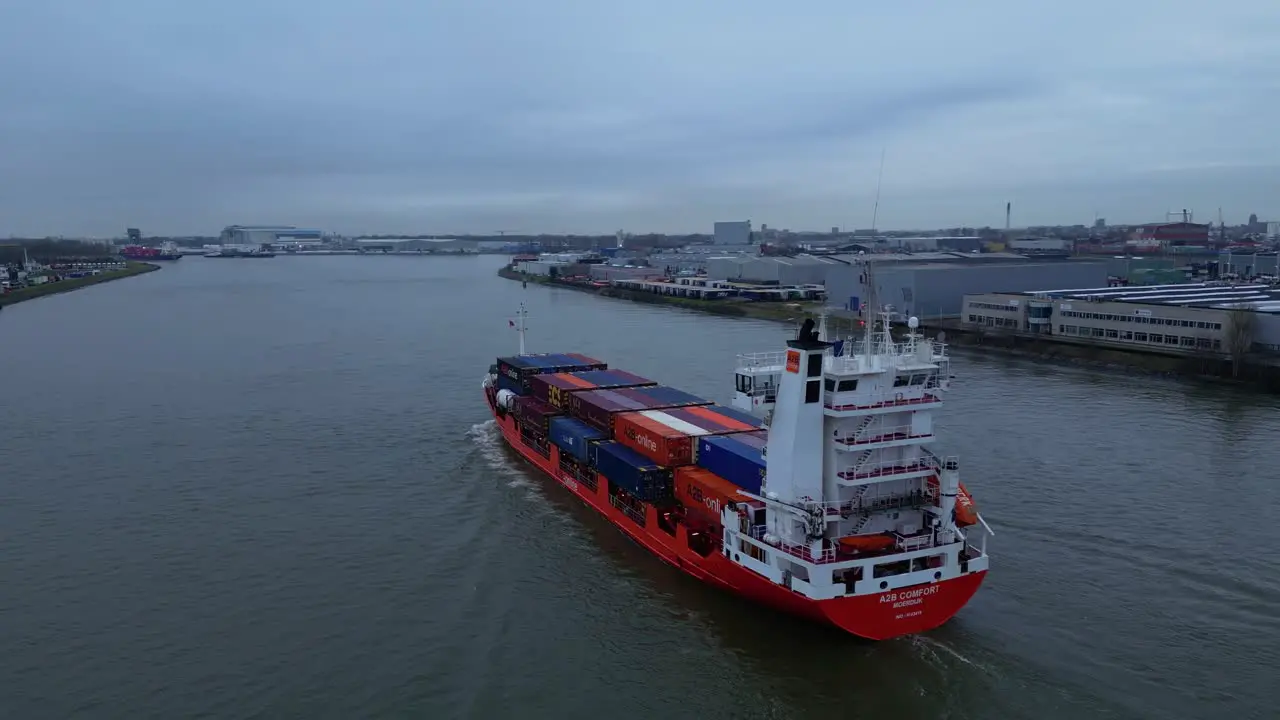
(658, 441)
(704, 492)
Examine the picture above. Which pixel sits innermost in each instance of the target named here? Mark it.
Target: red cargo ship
(837, 512)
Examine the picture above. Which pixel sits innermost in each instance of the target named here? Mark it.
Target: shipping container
(522, 367)
(598, 406)
(702, 491)
(588, 363)
(573, 436)
(757, 439)
(733, 460)
(710, 419)
(657, 436)
(555, 387)
(639, 476)
(506, 383)
(660, 396)
(741, 416)
(533, 412)
(605, 379)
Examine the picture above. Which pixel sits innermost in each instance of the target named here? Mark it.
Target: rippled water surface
(268, 489)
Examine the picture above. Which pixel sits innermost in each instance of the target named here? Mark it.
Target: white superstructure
(854, 502)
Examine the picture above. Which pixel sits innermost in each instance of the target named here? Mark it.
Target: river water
(268, 489)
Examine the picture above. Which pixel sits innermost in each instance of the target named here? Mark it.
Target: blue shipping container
(734, 461)
(506, 383)
(612, 378)
(670, 395)
(573, 436)
(633, 472)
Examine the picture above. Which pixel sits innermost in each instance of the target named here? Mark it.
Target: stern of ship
(905, 611)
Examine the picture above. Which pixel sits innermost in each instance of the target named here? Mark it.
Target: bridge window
(743, 383)
(815, 366)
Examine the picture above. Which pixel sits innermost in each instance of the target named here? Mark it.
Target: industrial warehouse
(927, 285)
(1182, 318)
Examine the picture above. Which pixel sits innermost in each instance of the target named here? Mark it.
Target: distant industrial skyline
(563, 117)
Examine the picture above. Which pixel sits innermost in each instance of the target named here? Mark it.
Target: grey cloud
(457, 116)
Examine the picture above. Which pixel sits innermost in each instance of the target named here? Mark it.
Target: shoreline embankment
(1204, 367)
(70, 284)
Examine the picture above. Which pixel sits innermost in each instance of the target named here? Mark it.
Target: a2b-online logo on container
(643, 440)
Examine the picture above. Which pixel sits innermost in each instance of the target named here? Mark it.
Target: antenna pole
(875, 210)
(520, 328)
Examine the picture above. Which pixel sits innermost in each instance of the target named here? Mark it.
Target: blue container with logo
(573, 436)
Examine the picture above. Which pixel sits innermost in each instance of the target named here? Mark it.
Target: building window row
(1181, 341)
(993, 306)
(1111, 317)
(994, 321)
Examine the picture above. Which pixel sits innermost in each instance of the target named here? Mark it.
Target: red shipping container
(659, 438)
(705, 493)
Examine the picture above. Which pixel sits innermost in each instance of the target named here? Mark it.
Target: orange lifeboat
(866, 543)
(966, 509)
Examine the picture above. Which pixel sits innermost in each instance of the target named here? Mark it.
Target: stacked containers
(574, 436)
(713, 420)
(661, 396)
(555, 387)
(533, 412)
(640, 477)
(598, 406)
(732, 459)
(658, 436)
(704, 492)
(520, 368)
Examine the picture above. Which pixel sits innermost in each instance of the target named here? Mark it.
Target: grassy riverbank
(52, 288)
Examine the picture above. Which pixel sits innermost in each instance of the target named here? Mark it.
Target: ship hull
(880, 616)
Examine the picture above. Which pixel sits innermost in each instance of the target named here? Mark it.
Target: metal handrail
(873, 402)
(636, 516)
(877, 432)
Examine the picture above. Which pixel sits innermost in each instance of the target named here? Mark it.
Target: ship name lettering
(908, 595)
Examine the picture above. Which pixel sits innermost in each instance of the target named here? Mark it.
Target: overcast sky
(648, 115)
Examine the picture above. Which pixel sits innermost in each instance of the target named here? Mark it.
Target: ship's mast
(520, 326)
(869, 313)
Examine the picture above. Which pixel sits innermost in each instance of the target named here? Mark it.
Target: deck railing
(635, 515)
(873, 402)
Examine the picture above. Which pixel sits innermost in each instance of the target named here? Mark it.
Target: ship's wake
(488, 440)
(942, 655)
(493, 450)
